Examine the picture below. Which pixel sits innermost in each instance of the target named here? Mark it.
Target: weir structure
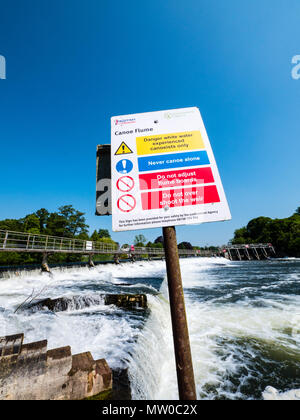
(32, 372)
(45, 244)
(248, 252)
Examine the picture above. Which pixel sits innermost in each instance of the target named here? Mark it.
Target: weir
(31, 372)
(45, 244)
(249, 252)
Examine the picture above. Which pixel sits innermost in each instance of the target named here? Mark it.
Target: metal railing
(11, 241)
(29, 242)
(249, 246)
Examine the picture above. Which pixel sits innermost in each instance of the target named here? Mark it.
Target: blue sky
(72, 64)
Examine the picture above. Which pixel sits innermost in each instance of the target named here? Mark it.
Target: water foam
(243, 321)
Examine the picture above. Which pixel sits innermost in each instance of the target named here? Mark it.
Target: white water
(226, 314)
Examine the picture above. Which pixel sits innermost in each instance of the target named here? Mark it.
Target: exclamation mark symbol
(124, 166)
(123, 148)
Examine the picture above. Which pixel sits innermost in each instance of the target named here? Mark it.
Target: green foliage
(159, 240)
(154, 245)
(11, 224)
(108, 241)
(103, 233)
(185, 245)
(95, 236)
(68, 222)
(31, 224)
(157, 245)
(75, 221)
(283, 234)
(42, 215)
(140, 240)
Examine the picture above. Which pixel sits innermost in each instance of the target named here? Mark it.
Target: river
(244, 323)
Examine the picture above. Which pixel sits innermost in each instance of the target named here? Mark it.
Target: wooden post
(183, 357)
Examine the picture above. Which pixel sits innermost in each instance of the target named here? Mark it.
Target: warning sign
(123, 149)
(170, 178)
(176, 142)
(126, 203)
(125, 184)
(180, 178)
(180, 197)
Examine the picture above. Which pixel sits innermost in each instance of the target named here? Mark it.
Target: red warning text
(180, 197)
(178, 178)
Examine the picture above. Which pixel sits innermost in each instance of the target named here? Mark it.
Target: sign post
(183, 357)
(163, 174)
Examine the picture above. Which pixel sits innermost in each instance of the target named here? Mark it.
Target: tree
(158, 245)
(258, 228)
(103, 233)
(185, 245)
(31, 224)
(67, 222)
(159, 240)
(75, 220)
(140, 240)
(283, 234)
(12, 225)
(95, 236)
(43, 215)
(241, 236)
(56, 225)
(83, 236)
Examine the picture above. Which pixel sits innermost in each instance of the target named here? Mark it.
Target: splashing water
(243, 322)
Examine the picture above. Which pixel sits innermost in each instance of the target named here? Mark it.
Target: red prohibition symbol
(125, 183)
(126, 203)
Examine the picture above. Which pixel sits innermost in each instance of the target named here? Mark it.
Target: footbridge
(46, 245)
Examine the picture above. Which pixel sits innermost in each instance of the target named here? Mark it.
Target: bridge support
(248, 252)
(116, 259)
(91, 262)
(45, 267)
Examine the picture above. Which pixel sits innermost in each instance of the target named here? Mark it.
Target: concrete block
(30, 372)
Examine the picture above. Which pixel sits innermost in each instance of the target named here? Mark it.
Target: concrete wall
(31, 372)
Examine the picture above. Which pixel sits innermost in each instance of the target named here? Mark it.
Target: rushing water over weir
(243, 320)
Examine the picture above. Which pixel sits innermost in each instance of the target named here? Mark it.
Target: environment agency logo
(2, 67)
(125, 121)
(296, 68)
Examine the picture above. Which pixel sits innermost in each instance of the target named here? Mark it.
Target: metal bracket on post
(184, 365)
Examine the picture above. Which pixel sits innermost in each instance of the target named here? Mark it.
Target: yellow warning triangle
(123, 149)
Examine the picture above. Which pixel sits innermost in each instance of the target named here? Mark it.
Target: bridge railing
(239, 246)
(22, 241)
(30, 242)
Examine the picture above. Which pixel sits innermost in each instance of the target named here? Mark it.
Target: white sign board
(89, 245)
(163, 171)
